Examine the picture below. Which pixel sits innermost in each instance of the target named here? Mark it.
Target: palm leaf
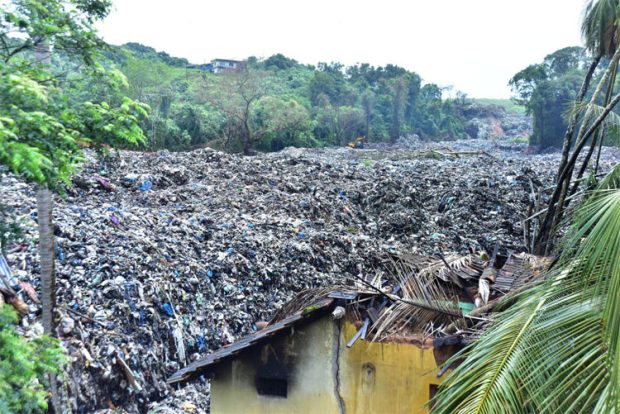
(557, 349)
(599, 27)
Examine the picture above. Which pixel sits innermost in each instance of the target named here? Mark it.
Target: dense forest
(276, 102)
(548, 91)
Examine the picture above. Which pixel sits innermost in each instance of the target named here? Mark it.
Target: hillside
(297, 105)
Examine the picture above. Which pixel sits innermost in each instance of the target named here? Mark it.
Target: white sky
(474, 45)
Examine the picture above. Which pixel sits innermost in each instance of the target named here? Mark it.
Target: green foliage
(148, 53)
(102, 124)
(45, 116)
(547, 90)
(285, 122)
(327, 104)
(599, 27)
(279, 61)
(24, 365)
(556, 349)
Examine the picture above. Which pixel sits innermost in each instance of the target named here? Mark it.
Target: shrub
(24, 365)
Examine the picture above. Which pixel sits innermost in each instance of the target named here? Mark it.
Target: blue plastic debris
(146, 185)
(168, 309)
(201, 342)
(230, 250)
(302, 234)
(141, 317)
(210, 273)
(61, 254)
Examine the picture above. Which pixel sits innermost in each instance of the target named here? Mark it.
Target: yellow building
(316, 361)
(362, 352)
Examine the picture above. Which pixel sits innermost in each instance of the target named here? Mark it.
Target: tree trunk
(246, 138)
(543, 243)
(610, 89)
(45, 206)
(598, 137)
(46, 256)
(568, 137)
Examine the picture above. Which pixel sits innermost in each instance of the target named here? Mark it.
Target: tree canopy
(332, 104)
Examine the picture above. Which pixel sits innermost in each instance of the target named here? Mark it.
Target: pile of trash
(164, 257)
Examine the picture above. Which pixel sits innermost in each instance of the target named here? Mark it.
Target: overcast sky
(473, 45)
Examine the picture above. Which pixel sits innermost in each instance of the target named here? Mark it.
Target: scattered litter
(169, 256)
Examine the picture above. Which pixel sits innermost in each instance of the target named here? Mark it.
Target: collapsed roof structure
(395, 337)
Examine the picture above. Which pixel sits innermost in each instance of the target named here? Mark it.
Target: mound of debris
(163, 257)
(491, 122)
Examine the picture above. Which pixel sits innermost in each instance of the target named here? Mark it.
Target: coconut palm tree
(557, 348)
(599, 30)
(599, 27)
(601, 33)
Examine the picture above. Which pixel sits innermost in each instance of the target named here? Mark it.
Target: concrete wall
(326, 377)
(378, 377)
(309, 353)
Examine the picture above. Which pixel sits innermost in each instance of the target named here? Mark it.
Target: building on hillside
(225, 65)
(358, 350)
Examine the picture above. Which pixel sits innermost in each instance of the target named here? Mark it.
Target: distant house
(359, 351)
(225, 65)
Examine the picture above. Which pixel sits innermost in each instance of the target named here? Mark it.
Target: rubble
(163, 257)
(490, 122)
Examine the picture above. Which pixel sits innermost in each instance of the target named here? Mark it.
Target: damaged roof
(272, 330)
(441, 300)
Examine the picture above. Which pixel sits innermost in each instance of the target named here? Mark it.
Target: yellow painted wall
(386, 378)
(373, 377)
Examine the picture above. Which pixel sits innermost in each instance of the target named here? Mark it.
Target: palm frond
(425, 297)
(611, 180)
(490, 377)
(557, 348)
(612, 120)
(595, 238)
(599, 28)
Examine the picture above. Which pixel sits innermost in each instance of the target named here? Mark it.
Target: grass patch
(510, 106)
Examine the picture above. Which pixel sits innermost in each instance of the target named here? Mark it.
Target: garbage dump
(164, 257)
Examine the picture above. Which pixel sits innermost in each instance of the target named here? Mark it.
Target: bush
(24, 365)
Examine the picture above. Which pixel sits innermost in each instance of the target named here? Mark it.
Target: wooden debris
(131, 378)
